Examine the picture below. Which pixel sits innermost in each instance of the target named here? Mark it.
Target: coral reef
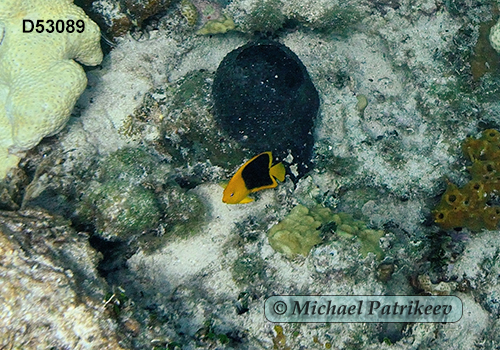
(116, 18)
(204, 286)
(190, 132)
(189, 12)
(474, 205)
(39, 81)
(51, 291)
(297, 233)
(131, 193)
(348, 227)
(120, 201)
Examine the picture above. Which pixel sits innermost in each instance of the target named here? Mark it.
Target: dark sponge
(265, 99)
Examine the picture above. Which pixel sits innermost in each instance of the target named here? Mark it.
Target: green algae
(247, 269)
(189, 131)
(263, 16)
(119, 200)
(123, 211)
(133, 196)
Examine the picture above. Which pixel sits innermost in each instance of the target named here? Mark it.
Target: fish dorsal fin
(278, 171)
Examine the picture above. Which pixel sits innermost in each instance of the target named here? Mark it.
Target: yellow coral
(39, 81)
(296, 234)
(189, 12)
(217, 26)
(300, 231)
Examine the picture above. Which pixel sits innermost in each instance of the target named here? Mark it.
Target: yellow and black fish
(255, 175)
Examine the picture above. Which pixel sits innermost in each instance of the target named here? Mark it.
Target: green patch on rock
(247, 269)
(338, 19)
(127, 164)
(132, 196)
(184, 210)
(189, 130)
(123, 211)
(337, 165)
(263, 16)
(120, 200)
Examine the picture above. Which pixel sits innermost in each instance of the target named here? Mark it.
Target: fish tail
(278, 171)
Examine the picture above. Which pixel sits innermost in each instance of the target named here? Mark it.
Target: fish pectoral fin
(223, 184)
(278, 171)
(246, 200)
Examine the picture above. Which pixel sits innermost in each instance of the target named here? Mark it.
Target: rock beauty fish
(255, 175)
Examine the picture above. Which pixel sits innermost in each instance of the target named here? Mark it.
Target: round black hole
(452, 198)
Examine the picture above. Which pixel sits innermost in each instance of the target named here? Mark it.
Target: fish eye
(232, 194)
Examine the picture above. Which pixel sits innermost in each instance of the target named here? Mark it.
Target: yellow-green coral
(279, 340)
(349, 227)
(217, 26)
(300, 231)
(189, 12)
(471, 206)
(362, 103)
(297, 233)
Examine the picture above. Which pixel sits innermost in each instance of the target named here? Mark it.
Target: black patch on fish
(265, 100)
(256, 173)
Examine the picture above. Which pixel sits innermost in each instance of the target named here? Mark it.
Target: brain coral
(495, 37)
(39, 81)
